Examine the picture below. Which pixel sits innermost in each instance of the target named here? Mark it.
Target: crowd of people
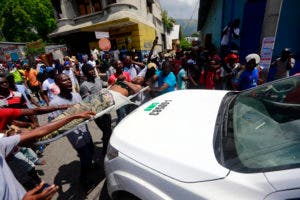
(80, 87)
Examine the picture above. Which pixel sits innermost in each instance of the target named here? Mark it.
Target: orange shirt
(31, 76)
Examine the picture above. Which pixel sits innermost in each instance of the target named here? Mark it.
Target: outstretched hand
(37, 194)
(86, 114)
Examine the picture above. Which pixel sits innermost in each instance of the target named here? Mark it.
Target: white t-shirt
(51, 88)
(225, 38)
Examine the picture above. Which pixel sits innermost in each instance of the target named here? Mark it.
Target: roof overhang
(90, 26)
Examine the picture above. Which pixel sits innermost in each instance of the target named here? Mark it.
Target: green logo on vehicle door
(155, 108)
(151, 106)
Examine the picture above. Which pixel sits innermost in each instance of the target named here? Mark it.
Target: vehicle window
(266, 127)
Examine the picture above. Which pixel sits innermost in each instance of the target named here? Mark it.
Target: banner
(100, 35)
(266, 52)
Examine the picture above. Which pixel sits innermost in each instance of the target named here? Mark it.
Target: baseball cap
(67, 63)
(49, 69)
(152, 65)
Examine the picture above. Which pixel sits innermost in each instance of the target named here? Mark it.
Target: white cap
(253, 56)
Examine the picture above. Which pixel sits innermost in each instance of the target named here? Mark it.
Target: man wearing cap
(229, 71)
(249, 77)
(282, 65)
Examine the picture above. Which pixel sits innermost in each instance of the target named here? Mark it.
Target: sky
(181, 9)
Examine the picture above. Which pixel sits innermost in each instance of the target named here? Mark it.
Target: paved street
(63, 168)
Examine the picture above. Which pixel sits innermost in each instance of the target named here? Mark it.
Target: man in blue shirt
(249, 76)
(166, 79)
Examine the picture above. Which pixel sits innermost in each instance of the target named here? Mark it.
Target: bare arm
(48, 128)
(24, 124)
(43, 110)
(161, 88)
(134, 87)
(45, 97)
(152, 48)
(140, 64)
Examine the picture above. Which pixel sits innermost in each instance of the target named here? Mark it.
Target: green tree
(184, 44)
(26, 20)
(168, 22)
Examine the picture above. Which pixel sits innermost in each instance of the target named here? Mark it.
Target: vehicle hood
(173, 134)
(284, 179)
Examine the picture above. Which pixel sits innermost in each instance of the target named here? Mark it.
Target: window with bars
(87, 7)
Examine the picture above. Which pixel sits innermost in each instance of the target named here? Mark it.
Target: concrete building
(259, 19)
(130, 23)
(172, 37)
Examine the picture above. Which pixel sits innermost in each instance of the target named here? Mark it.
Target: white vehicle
(209, 144)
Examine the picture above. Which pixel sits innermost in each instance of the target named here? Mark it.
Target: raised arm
(152, 48)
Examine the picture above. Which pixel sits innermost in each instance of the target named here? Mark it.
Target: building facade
(259, 19)
(132, 24)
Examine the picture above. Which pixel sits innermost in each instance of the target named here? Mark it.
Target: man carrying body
(166, 79)
(93, 86)
(80, 138)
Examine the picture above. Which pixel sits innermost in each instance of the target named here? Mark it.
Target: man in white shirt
(10, 188)
(49, 87)
(229, 34)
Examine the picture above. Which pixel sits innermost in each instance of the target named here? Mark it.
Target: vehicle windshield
(263, 128)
